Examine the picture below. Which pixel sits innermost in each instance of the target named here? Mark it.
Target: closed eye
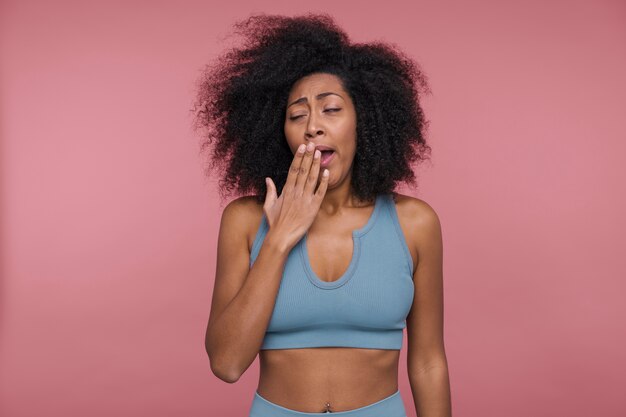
(297, 117)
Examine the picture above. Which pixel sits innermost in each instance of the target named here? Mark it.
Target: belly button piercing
(327, 408)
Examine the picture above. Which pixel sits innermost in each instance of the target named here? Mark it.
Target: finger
(321, 190)
(270, 195)
(294, 168)
(314, 173)
(303, 172)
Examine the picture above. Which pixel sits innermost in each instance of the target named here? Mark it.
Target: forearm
(233, 340)
(431, 391)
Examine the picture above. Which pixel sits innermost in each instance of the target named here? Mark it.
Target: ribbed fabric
(391, 406)
(366, 307)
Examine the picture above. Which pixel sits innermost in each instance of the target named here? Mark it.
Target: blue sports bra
(365, 308)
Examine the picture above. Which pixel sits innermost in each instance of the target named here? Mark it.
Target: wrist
(277, 243)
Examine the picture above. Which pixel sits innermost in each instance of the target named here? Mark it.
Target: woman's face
(319, 110)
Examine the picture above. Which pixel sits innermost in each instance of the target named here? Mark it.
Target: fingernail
(301, 148)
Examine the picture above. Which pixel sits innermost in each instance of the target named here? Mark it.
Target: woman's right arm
(243, 296)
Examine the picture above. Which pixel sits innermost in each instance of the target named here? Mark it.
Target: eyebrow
(319, 96)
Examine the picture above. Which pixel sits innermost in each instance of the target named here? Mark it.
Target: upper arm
(233, 256)
(425, 319)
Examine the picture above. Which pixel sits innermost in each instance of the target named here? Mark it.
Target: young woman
(321, 269)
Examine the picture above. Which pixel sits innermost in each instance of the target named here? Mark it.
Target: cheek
(348, 138)
(347, 128)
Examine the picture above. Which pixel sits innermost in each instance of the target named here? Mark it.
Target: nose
(312, 128)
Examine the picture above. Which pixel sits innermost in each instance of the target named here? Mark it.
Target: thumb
(270, 195)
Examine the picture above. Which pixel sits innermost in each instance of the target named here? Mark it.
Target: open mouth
(326, 157)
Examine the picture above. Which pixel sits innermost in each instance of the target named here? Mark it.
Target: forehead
(315, 83)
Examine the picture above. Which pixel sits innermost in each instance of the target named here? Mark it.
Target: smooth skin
(307, 379)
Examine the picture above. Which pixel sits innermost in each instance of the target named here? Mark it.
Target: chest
(329, 254)
(373, 287)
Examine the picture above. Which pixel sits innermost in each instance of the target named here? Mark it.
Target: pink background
(109, 228)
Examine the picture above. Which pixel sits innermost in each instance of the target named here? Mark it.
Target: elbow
(224, 374)
(223, 370)
(428, 368)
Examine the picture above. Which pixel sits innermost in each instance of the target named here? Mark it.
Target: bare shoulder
(414, 209)
(418, 219)
(246, 212)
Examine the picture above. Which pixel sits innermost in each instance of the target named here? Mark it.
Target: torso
(307, 379)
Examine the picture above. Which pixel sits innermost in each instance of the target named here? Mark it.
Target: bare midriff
(308, 379)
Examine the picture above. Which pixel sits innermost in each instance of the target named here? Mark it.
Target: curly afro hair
(242, 97)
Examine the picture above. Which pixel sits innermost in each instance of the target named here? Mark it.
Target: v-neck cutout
(356, 251)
